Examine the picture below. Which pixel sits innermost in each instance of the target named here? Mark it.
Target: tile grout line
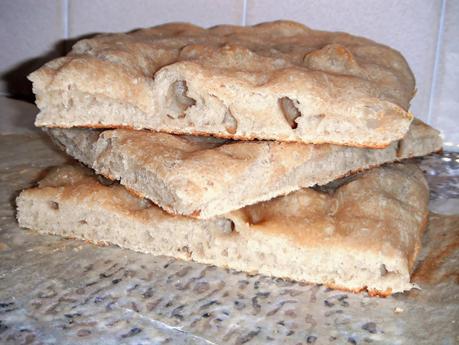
(244, 13)
(433, 86)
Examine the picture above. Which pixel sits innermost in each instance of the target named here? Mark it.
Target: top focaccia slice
(276, 81)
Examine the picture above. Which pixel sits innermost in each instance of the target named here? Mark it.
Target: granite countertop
(59, 291)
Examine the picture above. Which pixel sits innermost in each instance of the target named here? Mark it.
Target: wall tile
(446, 97)
(90, 16)
(409, 26)
(30, 33)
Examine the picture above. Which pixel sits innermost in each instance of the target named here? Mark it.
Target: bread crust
(203, 177)
(274, 81)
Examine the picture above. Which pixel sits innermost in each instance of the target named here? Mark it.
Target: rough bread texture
(364, 234)
(204, 177)
(278, 80)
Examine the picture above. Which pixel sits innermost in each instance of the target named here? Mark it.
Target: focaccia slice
(204, 177)
(361, 234)
(277, 81)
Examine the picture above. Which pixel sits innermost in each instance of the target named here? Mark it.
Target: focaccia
(279, 81)
(204, 177)
(361, 233)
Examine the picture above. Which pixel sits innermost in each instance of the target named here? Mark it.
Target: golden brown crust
(371, 292)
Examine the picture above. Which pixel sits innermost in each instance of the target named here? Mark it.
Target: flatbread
(363, 234)
(204, 177)
(279, 81)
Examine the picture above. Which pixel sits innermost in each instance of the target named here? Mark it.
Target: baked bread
(204, 177)
(278, 80)
(364, 234)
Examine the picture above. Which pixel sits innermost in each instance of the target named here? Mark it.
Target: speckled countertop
(57, 291)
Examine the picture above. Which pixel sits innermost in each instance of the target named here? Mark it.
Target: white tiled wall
(425, 31)
(88, 16)
(30, 32)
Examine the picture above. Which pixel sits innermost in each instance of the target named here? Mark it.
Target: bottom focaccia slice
(359, 233)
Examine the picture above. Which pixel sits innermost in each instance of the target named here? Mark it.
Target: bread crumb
(398, 310)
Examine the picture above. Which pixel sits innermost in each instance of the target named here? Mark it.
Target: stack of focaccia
(264, 149)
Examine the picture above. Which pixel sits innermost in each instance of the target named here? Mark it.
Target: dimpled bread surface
(279, 81)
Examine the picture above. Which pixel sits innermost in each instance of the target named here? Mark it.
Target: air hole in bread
(68, 103)
(384, 271)
(145, 203)
(186, 250)
(178, 100)
(290, 111)
(387, 274)
(53, 205)
(105, 181)
(226, 225)
(230, 122)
